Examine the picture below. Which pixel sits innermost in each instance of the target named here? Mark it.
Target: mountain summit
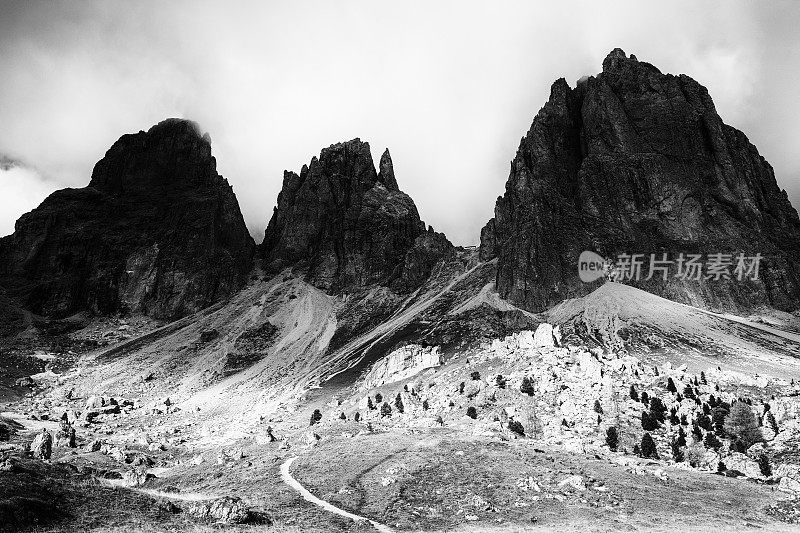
(347, 226)
(634, 161)
(157, 231)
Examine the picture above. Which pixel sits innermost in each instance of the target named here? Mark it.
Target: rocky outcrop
(157, 231)
(636, 161)
(401, 364)
(345, 225)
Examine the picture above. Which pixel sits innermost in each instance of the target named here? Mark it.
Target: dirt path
(287, 478)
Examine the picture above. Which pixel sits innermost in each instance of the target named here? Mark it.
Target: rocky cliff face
(346, 225)
(636, 161)
(157, 231)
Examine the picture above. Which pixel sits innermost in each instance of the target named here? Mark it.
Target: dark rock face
(157, 231)
(348, 226)
(636, 161)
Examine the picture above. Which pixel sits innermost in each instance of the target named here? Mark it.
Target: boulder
(42, 445)
(227, 510)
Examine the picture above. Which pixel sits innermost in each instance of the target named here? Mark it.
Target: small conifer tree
(612, 439)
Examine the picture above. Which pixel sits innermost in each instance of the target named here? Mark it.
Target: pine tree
(648, 447)
(439, 420)
(677, 451)
(370, 405)
(597, 407)
(386, 410)
(612, 439)
(678, 398)
(500, 381)
(398, 403)
(658, 410)
(645, 398)
(634, 395)
(648, 422)
(316, 416)
(425, 405)
(527, 386)
(673, 417)
(472, 412)
(516, 427)
(378, 397)
(711, 441)
(771, 422)
(681, 437)
(671, 385)
(475, 376)
(764, 466)
(688, 392)
(703, 378)
(696, 433)
(357, 416)
(741, 424)
(684, 421)
(704, 422)
(342, 416)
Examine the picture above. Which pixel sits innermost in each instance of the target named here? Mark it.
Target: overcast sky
(449, 87)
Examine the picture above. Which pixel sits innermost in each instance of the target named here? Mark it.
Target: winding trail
(287, 478)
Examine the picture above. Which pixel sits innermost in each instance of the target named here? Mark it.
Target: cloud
(449, 87)
(22, 190)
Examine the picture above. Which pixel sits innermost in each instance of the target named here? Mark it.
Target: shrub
(357, 416)
(764, 466)
(342, 416)
(316, 416)
(648, 447)
(645, 399)
(612, 439)
(721, 467)
(370, 405)
(597, 407)
(516, 427)
(475, 376)
(673, 417)
(741, 424)
(634, 395)
(425, 405)
(461, 387)
(398, 403)
(684, 420)
(472, 412)
(527, 386)
(671, 385)
(378, 397)
(694, 454)
(500, 381)
(439, 420)
(386, 410)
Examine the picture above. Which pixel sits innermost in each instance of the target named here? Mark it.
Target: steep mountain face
(347, 225)
(639, 162)
(157, 231)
